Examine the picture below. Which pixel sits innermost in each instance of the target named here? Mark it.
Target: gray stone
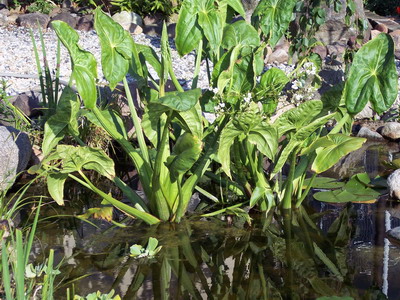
(152, 30)
(393, 182)
(29, 105)
(321, 51)
(126, 19)
(374, 33)
(394, 233)
(32, 20)
(135, 29)
(391, 131)
(3, 19)
(65, 17)
(12, 18)
(15, 152)
(335, 28)
(249, 7)
(369, 134)
(156, 19)
(85, 23)
(366, 113)
(336, 49)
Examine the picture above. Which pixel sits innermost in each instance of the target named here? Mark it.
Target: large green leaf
(265, 138)
(184, 154)
(64, 120)
(273, 16)
(237, 6)
(112, 117)
(297, 117)
(116, 47)
(180, 101)
(84, 66)
(228, 135)
(298, 138)
(211, 22)
(55, 185)
(331, 148)
(373, 76)
(188, 31)
(150, 56)
(78, 158)
(240, 33)
(191, 120)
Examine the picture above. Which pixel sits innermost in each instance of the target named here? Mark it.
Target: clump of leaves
(138, 251)
(98, 296)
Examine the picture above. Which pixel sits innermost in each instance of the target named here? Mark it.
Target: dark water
(319, 250)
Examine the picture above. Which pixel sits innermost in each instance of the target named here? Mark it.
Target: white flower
(215, 90)
(247, 99)
(298, 97)
(296, 85)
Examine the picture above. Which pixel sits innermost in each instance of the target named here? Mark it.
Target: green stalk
(223, 210)
(136, 123)
(340, 124)
(201, 168)
(47, 291)
(160, 202)
(19, 275)
(32, 233)
(49, 82)
(39, 69)
(306, 191)
(199, 53)
(133, 212)
(136, 200)
(287, 198)
(58, 64)
(144, 169)
(6, 280)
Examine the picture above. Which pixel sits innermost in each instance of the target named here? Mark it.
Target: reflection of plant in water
(290, 257)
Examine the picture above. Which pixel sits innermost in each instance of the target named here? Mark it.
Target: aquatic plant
(176, 146)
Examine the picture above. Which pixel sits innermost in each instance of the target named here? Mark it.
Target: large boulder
(15, 152)
(32, 20)
(335, 29)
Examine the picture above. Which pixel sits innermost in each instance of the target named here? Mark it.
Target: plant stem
(160, 202)
(199, 53)
(287, 198)
(306, 191)
(136, 123)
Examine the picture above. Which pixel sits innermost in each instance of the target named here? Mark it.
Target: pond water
(319, 250)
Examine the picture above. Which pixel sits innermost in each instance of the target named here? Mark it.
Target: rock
(335, 28)
(171, 28)
(381, 27)
(369, 134)
(321, 51)
(3, 18)
(155, 19)
(135, 29)
(66, 4)
(15, 152)
(85, 23)
(31, 20)
(393, 182)
(12, 18)
(29, 105)
(249, 7)
(65, 17)
(394, 235)
(152, 30)
(126, 19)
(336, 49)
(391, 131)
(278, 56)
(366, 113)
(4, 11)
(396, 40)
(123, 18)
(374, 33)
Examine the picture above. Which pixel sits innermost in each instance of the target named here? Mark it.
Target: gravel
(17, 57)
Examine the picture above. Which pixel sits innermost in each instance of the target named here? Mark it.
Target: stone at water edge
(15, 152)
(394, 233)
(391, 131)
(369, 134)
(393, 182)
(32, 20)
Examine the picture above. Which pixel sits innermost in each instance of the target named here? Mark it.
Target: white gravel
(17, 57)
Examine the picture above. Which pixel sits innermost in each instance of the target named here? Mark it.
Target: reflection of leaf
(102, 213)
(323, 183)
